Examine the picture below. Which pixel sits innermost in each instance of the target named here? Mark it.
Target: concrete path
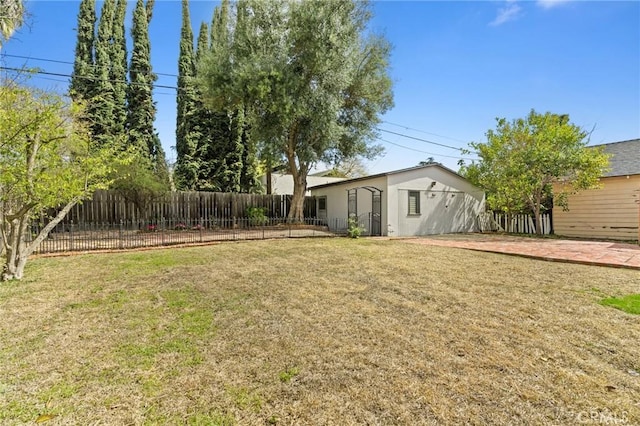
(621, 255)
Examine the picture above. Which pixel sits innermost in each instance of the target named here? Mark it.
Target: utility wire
(55, 74)
(42, 72)
(423, 152)
(421, 140)
(424, 131)
(65, 62)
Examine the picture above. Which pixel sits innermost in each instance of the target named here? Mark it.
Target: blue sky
(456, 66)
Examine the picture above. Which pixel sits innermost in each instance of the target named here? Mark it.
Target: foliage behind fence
(111, 207)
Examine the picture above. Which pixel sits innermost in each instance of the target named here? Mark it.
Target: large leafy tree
(311, 83)
(82, 82)
(523, 158)
(47, 160)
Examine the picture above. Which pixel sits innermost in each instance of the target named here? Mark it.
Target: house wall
(337, 205)
(451, 205)
(608, 212)
(282, 184)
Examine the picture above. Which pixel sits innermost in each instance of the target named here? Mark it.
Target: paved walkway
(622, 255)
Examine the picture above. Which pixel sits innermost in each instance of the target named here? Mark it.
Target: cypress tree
(249, 179)
(187, 164)
(118, 71)
(141, 109)
(102, 100)
(82, 78)
(223, 151)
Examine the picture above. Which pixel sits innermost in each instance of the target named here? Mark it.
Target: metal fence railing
(69, 237)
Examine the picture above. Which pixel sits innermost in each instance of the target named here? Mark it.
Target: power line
(66, 62)
(55, 74)
(421, 140)
(423, 152)
(424, 131)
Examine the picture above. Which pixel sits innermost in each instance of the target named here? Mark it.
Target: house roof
(625, 157)
(386, 174)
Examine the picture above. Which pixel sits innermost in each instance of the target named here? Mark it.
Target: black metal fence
(73, 237)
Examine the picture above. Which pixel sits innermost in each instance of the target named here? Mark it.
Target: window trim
(320, 199)
(415, 195)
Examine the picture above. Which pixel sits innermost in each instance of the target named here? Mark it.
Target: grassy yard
(317, 331)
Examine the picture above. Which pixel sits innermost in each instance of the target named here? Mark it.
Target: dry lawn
(317, 332)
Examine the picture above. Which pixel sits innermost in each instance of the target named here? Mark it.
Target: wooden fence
(514, 223)
(111, 207)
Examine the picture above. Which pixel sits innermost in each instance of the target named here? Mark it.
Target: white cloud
(548, 4)
(510, 12)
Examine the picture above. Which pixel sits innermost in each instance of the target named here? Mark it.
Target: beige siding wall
(608, 212)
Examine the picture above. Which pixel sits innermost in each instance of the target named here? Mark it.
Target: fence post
(120, 235)
(162, 227)
(71, 235)
(233, 227)
(200, 229)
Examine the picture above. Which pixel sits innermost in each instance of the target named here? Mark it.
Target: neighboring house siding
(608, 212)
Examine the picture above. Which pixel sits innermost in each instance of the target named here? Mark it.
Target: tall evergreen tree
(227, 157)
(83, 67)
(102, 99)
(141, 110)
(187, 164)
(205, 120)
(118, 71)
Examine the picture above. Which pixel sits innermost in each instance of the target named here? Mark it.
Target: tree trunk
(536, 212)
(536, 217)
(296, 212)
(18, 251)
(269, 168)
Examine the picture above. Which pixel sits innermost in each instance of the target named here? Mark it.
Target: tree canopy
(523, 158)
(309, 78)
(118, 108)
(11, 18)
(47, 161)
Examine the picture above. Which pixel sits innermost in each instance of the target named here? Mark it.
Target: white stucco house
(422, 200)
(282, 183)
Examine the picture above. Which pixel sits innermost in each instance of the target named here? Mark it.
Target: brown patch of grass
(332, 331)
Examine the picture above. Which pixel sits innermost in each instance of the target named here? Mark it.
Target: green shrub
(257, 216)
(354, 230)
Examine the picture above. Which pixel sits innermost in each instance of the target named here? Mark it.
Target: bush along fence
(70, 237)
(513, 223)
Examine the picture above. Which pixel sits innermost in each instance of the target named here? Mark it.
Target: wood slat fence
(514, 223)
(111, 207)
